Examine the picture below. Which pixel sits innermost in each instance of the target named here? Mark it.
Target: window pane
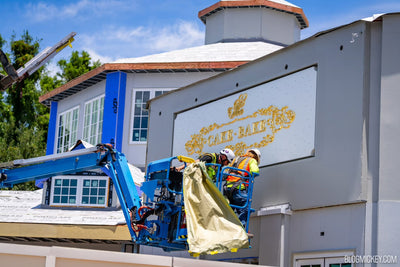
(146, 96)
(135, 135)
(67, 129)
(85, 191)
(136, 122)
(138, 95)
(143, 135)
(144, 122)
(56, 199)
(64, 199)
(93, 200)
(72, 200)
(103, 183)
(85, 200)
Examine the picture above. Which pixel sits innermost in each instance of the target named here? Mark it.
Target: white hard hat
(228, 153)
(257, 152)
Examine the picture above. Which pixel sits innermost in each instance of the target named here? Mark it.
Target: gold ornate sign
(265, 122)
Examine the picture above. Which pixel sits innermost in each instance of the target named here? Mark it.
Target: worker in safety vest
(224, 158)
(235, 189)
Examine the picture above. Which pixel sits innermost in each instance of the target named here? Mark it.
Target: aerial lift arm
(102, 156)
(31, 66)
(158, 220)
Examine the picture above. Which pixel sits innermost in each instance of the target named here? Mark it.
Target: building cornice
(99, 74)
(297, 11)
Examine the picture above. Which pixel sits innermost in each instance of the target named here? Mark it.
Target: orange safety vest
(240, 163)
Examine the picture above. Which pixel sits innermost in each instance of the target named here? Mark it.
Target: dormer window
(80, 191)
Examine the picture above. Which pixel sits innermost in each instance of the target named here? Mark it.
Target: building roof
(206, 58)
(278, 5)
(218, 52)
(23, 219)
(25, 207)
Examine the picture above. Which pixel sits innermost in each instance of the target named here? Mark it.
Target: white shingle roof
(219, 52)
(24, 207)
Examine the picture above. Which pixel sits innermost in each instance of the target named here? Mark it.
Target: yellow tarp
(212, 225)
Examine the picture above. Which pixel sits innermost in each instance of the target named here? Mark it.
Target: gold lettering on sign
(237, 108)
(275, 120)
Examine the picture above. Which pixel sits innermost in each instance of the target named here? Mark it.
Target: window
(64, 191)
(67, 129)
(93, 122)
(329, 259)
(140, 114)
(94, 192)
(323, 262)
(89, 191)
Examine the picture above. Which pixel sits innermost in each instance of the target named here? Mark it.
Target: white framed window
(323, 259)
(93, 120)
(90, 191)
(67, 129)
(140, 115)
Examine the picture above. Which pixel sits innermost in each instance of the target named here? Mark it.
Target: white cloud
(42, 11)
(181, 35)
(121, 42)
(52, 68)
(95, 56)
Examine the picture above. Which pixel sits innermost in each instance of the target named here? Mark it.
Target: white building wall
(349, 190)
(136, 153)
(252, 24)
(389, 177)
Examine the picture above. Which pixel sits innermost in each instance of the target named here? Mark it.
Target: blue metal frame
(103, 157)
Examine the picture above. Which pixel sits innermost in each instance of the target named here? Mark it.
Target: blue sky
(113, 29)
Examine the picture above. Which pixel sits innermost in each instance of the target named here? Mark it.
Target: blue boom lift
(156, 220)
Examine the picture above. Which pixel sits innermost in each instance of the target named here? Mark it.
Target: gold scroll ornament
(277, 119)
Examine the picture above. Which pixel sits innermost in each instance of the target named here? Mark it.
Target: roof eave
(99, 74)
(297, 11)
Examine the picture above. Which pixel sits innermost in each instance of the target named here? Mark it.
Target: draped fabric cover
(212, 225)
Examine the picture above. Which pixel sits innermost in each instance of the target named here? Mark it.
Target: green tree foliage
(23, 120)
(77, 65)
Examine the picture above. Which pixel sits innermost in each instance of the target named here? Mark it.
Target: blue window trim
(114, 109)
(51, 133)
